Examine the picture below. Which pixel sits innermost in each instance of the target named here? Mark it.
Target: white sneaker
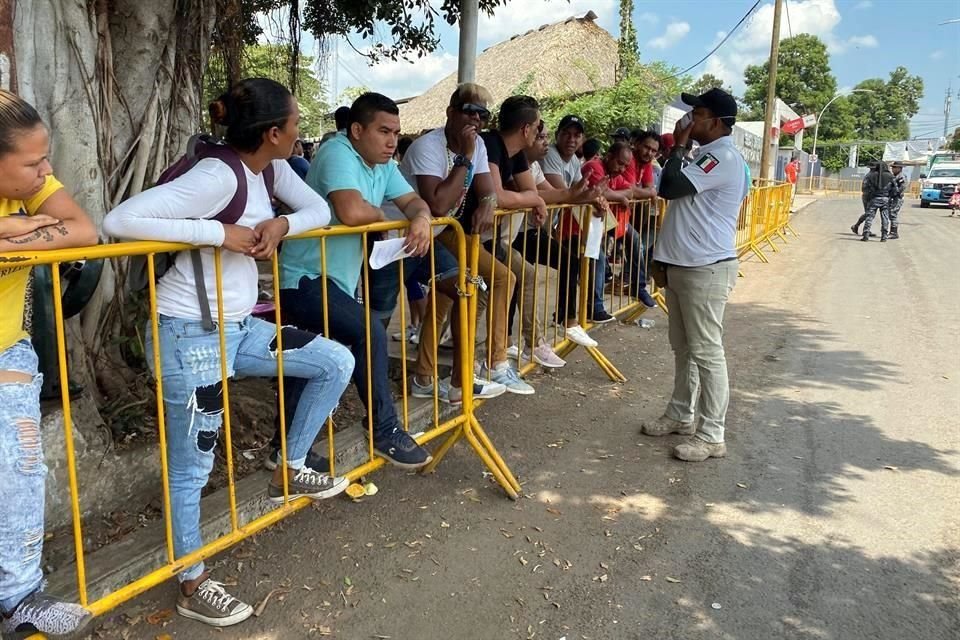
(482, 390)
(545, 356)
(578, 335)
(513, 352)
(507, 376)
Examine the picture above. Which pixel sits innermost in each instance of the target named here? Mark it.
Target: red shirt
(637, 174)
(594, 171)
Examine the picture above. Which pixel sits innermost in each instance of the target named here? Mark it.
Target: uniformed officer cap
(721, 104)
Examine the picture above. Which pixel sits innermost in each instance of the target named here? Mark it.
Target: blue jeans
(303, 307)
(635, 270)
(193, 401)
(385, 282)
(22, 476)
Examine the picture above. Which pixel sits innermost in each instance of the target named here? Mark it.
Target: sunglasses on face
(475, 109)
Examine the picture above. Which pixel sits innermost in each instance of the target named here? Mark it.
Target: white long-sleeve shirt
(180, 211)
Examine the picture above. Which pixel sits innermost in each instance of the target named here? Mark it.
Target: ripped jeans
(193, 401)
(22, 476)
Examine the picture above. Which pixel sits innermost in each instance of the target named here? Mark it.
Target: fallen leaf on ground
(160, 616)
(741, 485)
(646, 578)
(673, 580)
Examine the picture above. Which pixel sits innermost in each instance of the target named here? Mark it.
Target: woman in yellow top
(36, 213)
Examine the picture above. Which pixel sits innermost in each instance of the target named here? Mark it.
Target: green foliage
(706, 82)
(628, 51)
(411, 23)
(272, 61)
(348, 95)
(803, 76)
(635, 101)
(885, 113)
(954, 143)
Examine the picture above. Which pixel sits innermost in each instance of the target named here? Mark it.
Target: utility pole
(765, 159)
(467, 61)
(946, 109)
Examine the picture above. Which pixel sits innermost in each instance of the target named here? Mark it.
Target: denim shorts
(385, 282)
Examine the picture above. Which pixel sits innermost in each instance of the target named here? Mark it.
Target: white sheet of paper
(594, 238)
(387, 251)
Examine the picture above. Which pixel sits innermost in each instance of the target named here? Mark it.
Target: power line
(716, 48)
(786, 5)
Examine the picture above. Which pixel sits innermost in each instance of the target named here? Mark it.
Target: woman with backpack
(261, 121)
(36, 214)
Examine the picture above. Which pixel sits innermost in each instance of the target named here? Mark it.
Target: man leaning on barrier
(697, 249)
(451, 172)
(355, 172)
(36, 214)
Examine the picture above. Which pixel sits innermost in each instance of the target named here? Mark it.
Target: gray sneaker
(697, 450)
(663, 426)
(40, 613)
(310, 484)
(211, 604)
(506, 375)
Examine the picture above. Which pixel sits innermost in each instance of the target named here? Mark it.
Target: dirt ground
(835, 516)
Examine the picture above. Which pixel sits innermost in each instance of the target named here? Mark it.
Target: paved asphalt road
(836, 515)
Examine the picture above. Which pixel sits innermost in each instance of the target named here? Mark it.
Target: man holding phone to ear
(697, 248)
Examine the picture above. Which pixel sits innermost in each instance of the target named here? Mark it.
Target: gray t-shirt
(568, 170)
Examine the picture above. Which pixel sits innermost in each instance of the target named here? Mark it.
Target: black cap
(570, 121)
(720, 103)
(621, 132)
(897, 165)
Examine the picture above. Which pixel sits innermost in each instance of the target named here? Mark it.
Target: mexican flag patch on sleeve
(707, 162)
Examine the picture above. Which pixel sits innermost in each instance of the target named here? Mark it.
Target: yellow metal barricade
(462, 425)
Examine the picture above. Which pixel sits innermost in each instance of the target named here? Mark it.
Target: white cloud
(751, 44)
(674, 32)
(395, 78)
(647, 18)
(863, 4)
(520, 16)
(937, 55)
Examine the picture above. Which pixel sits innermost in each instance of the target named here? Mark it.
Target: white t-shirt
(701, 229)
(429, 155)
(537, 172)
(179, 211)
(569, 170)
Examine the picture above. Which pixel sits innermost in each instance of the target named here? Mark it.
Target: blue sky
(866, 39)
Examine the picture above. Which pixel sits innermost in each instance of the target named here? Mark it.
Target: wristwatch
(461, 160)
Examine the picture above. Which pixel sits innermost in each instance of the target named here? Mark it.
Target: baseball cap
(621, 132)
(570, 121)
(720, 103)
(897, 164)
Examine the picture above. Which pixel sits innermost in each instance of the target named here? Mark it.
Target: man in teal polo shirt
(355, 173)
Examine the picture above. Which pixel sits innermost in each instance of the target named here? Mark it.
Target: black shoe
(644, 296)
(865, 238)
(601, 317)
(856, 229)
(318, 463)
(883, 238)
(894, 234)
(400, 450)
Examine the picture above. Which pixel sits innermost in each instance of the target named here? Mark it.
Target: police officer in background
(898, 187)
(875, 193)
(697, 250)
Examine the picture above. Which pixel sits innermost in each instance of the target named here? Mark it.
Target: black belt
(730, 259)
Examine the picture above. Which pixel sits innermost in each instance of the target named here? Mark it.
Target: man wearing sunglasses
(697, 247)
(443, 166)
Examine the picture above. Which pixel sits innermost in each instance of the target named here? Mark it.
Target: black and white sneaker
(307, 483)
(211, 604)
(601, 317)
(40, 613)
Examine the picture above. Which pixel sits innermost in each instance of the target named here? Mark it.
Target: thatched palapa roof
(571, 56)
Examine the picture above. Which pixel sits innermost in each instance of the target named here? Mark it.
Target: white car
(941, 183)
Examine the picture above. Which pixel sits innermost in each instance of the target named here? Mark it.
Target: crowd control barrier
(551, 284)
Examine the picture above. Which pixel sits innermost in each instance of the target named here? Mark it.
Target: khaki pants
(503, 283)
(696, 298)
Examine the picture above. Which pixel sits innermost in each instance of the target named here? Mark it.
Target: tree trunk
(119, 84)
